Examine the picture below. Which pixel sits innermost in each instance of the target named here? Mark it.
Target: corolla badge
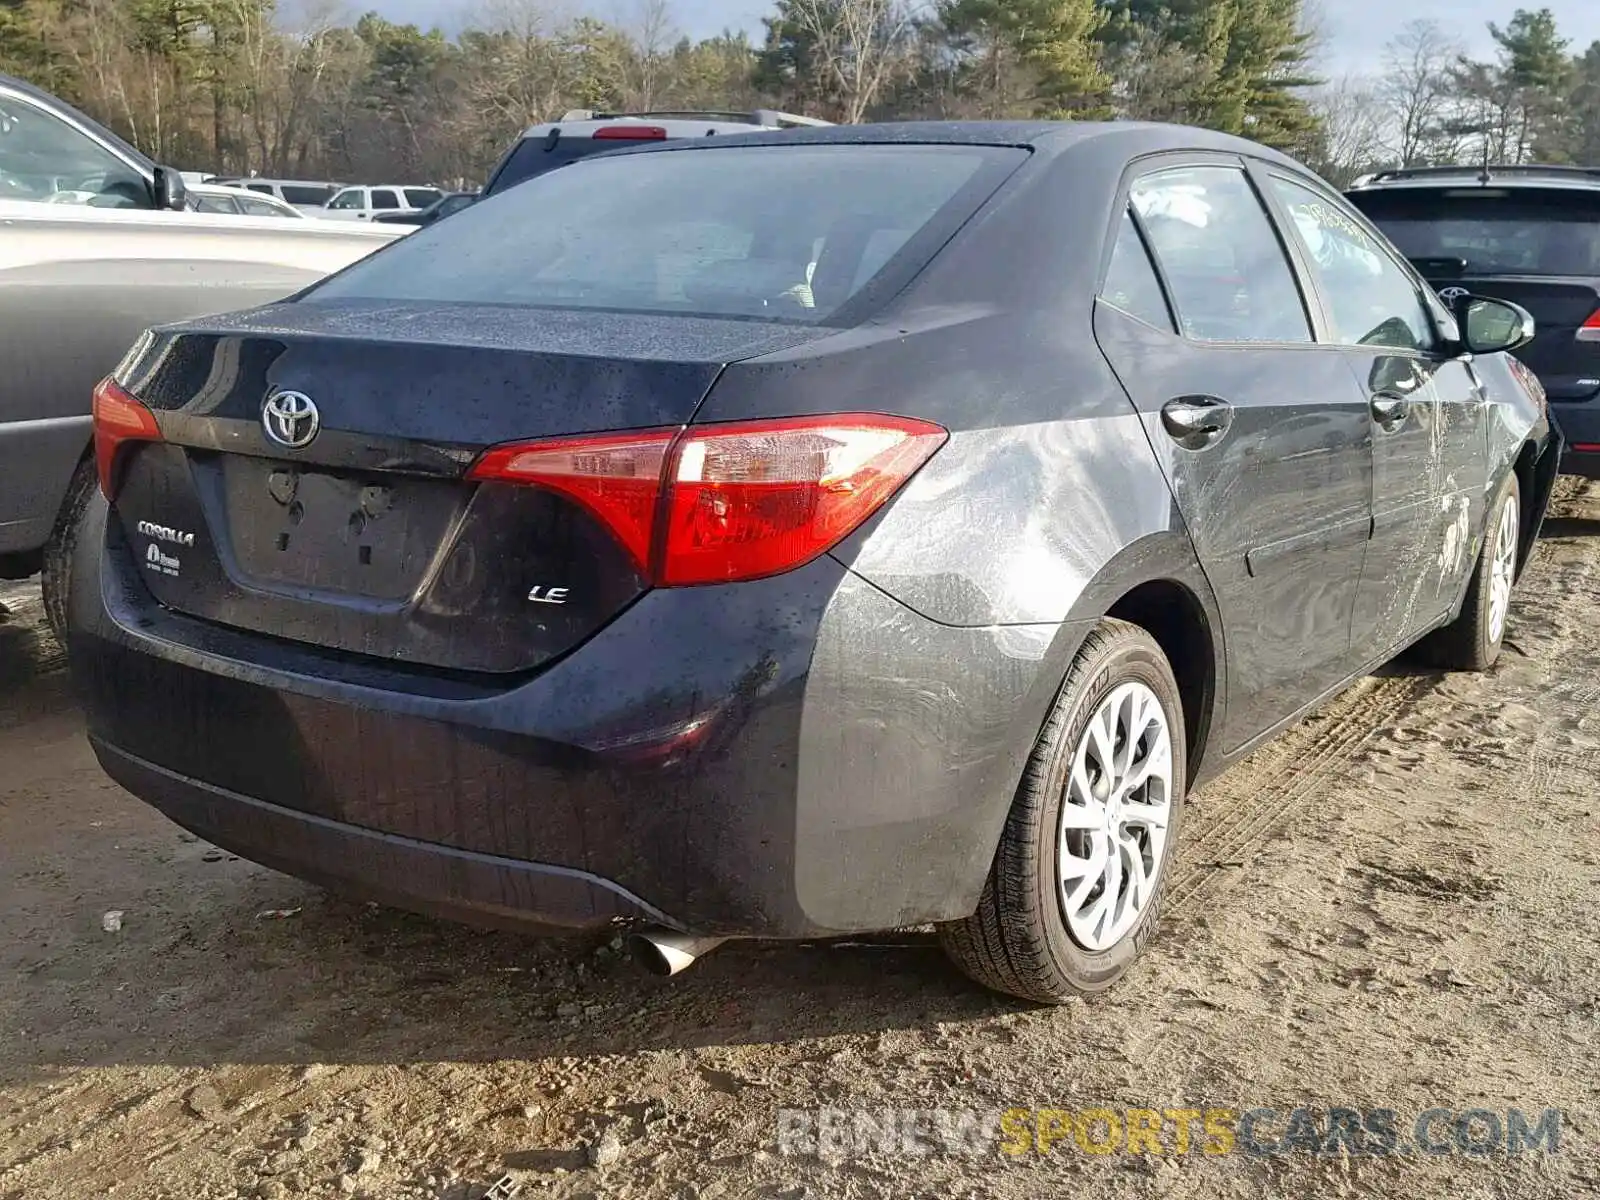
(291, 419)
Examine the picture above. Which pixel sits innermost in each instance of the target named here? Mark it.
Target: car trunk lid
(369, 538)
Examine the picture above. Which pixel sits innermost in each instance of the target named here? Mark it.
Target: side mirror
(1491, 326)
(170, 190)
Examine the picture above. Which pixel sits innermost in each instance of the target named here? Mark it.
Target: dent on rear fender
(1010, 526)
(913, 738)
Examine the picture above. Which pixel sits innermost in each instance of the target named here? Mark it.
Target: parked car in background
(210, 197)
(781, 537)
(582, 132)
(98, 243)
(1529, 234)
(308, 195)
(451, 202)
(364, 203)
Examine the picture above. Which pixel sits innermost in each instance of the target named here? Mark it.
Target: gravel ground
(1390, 907)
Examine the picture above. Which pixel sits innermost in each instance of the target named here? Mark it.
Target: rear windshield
(535, 156)
(1493, 231)
(786, 233)
(304, 193)
(422, 197)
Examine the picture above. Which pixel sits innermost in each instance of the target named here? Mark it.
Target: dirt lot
(1392, 906)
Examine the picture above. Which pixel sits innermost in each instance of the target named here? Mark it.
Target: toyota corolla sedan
(789, 536)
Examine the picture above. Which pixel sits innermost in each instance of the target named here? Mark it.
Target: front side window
(44, 158)
(211, 203)
(772, 232)
(350, 198)
(1131, 282)
(1227, 271)
(1372, 300)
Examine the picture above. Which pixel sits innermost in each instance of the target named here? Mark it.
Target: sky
(1355, 30)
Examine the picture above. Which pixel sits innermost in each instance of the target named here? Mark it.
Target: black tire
(58, 551)
(1470, 643)
(1018, 941)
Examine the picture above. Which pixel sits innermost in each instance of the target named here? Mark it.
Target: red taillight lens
(616, 477)
(630, 133)
(1589, 331)
(764, 497)
(118, 418)
(739, 501)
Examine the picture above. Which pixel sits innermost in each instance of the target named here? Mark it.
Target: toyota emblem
(290, 419)
(1451, 294)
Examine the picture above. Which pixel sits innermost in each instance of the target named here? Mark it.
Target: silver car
(99, 243)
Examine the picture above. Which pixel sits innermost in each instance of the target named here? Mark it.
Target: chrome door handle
(1196, 421)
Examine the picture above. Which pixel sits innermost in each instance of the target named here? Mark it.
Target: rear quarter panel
(78, 286)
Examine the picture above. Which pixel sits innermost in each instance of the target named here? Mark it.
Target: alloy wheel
(1502, 570)
(1114, 817)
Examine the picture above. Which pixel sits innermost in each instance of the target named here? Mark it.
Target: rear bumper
(446, 882)
(1579, 424)
(792, 757)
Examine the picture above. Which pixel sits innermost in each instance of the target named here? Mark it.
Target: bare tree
(1353, 133)
(1416, 87)
(857, 46)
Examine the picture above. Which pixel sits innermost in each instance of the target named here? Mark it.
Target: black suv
(1528, 234)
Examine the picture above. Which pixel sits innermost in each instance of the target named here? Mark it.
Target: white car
(363, 203)
(211, 197)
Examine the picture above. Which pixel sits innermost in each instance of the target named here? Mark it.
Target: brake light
(616, 477)
(1589, 331)
(118, 418)
(630, 133)
(720, 503)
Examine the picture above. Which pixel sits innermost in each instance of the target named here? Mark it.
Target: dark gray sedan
(769, 536)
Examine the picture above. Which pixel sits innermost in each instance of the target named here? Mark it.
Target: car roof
(1046, 138)
(1530, 175)
(678, 123)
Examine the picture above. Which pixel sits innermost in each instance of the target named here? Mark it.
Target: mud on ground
(1392, 906)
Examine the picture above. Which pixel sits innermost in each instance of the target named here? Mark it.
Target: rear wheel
(58, 551)
(1472, 641)
(1077, 881)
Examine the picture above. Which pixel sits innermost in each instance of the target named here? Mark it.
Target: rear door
(1263, 433)
(1428, 413)
(1535, 246)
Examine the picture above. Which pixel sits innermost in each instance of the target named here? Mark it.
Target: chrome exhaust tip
(663, 952)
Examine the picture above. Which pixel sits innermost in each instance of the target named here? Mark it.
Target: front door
(1264, 436)
(1427, 417)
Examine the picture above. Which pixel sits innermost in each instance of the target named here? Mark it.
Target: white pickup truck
(97, 243)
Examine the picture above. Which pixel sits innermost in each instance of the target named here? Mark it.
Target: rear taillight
(1589, 331)
(630, 133)
(118, 418)
(718, 503)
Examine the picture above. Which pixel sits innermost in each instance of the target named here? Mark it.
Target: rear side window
(535, 156)
(1131, 282)
(260, 208)
(383, 198)
(1229, 277)
(297, 193)
(1492, 231)
(1372, 300)
(786, 233)
(260, 187)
